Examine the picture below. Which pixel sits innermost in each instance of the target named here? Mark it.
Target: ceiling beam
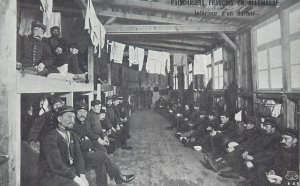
(163, 49)
(110, 21)
(167, 29)
(190, 10)
(167, 46)
(155, 19)
(228, 41)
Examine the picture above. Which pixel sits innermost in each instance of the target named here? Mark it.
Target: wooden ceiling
(162, 26)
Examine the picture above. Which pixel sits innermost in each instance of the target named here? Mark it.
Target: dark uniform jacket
(53, 42)
(56, 151)
(72, 61)
(81, 131)
(123, 110)
(31, 52)
(227, 129)
(93, 126)
(113, 115)
(247, 138)
(42, 125)
(286, 165)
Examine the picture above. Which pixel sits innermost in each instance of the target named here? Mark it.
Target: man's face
(55, 32)
(81, 114)
(74, 51)
(249, 126)
(224, 119)
(211, 117)
(269, 129)
(186, 107)
(97, 108)
(116, 102)
(120, 101)
(57, 105)
(37, 33)
(102, 116)
(288, 141)
(58, 50)
(109, 102)
(67, 120)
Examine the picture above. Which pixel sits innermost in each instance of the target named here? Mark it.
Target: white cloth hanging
(276, 110)
(136, 56)
(53, 20)
(199, 64)
(180, 59)
(94, 27)
(238, 116)
(27, 16)
(117, 52)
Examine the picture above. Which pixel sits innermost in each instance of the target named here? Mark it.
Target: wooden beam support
(164, 7)
(110, 20)
(164, 49)
(228, 41)
(167, 29)
(148, 18)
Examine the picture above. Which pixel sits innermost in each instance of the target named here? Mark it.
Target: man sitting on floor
(97, 160)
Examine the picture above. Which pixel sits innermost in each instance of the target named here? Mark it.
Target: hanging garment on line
(94, 27)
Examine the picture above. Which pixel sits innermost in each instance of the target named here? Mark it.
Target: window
(208, 68)
(175, 78)
(218, 76)
(190, 73)
(269, 57)
(294, 38)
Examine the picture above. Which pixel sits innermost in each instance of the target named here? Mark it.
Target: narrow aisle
(159, 159)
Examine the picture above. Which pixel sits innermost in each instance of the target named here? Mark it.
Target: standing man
(98, 160)
(64, 165)
(33, 54)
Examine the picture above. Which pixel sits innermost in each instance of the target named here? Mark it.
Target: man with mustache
(98, 160)
(55, 39)
(64, 164)
(33, 54)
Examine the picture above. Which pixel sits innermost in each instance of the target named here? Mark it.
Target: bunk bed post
(91, 64)
(10, 139)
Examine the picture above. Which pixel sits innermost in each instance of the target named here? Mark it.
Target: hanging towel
(199, 64)
(116, 52)
(53, 20)
(27, 16)
(94, 27)
(276, 110)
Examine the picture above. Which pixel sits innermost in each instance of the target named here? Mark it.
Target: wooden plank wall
(10, 101)
(243, 70)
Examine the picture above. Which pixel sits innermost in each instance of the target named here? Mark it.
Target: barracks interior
(149, 93)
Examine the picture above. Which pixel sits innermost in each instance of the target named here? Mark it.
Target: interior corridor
(159, 159)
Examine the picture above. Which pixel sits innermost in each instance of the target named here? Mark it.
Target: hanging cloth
(117, 52)
(94, 27)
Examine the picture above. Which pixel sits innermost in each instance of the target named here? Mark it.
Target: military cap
(291, 132)
(212, 113)
(202, 112)
(38, 24)
(120, 98)
(81, 106)
(95, 102)
(64, 109)
(251, 119)
(53, 28)
(55, 99)
(73, 45)
(226, 114)
(114, 97)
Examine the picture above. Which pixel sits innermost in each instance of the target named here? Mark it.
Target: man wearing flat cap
(54, 40)
(33, 54)
(98, 160)
(64, 164)
(71, 58)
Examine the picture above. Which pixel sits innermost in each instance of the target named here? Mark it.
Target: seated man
(64, 164)
(176, 116)
(55, 39)
(71, 58)
(124, 111)
(97, 160)
(33, 54)
(284, 169)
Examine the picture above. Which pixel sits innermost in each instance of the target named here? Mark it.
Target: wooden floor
(159, 159)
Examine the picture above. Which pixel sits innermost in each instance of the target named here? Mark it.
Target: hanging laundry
(199, 64)
(117, 52)
(27, 16)
(180, 59)
(136, 56)
(53, 20)
(94, 27)
(276, 111)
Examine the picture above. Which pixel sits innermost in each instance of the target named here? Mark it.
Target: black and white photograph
(149, 92)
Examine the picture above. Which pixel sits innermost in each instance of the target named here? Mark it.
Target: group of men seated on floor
(253, 150)
(41, 56)
(71, 141)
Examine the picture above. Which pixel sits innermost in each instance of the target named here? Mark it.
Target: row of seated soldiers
(40, 56)
(72, 141)
(255, 152)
